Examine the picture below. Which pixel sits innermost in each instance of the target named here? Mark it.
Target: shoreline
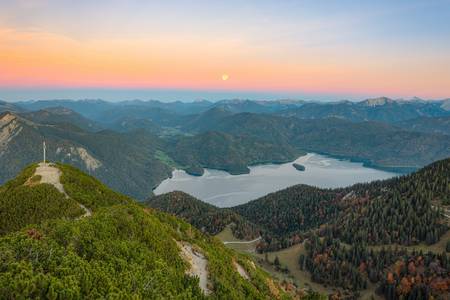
(303, 160)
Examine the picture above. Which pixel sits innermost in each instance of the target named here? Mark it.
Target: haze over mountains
(133, 145)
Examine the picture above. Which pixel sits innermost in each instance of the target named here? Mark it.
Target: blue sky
(180, 49)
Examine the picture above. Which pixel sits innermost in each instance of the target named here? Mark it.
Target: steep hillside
(58, 115)
(206, 217)
(402, 210)
(118, 251)
(287, 214)
(226, 152)
(361, 247)
(125, 162)
(427, 124)
(376, 144)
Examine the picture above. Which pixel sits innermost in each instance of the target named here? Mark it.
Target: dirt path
(51, 175)
(240, 269)
(242, 242)
(87, 211)
(198, 264)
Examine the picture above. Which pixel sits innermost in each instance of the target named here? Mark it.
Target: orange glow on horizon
(41, 59)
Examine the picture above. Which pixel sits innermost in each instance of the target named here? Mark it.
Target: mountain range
(376, 109)
(133, 145)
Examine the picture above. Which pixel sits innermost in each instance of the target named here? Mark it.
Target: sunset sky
(183, 49)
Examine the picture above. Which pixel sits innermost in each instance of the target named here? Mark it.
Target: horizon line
(14, 94)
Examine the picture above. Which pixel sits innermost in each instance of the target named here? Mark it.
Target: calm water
(225, 190)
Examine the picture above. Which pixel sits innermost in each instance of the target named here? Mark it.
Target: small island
(195, 170)
(299, 166)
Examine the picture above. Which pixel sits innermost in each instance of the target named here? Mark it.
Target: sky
(184, 50)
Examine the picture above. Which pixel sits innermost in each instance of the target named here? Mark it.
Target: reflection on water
(225, 190)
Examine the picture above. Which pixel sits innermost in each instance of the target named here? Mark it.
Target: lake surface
(224, 190)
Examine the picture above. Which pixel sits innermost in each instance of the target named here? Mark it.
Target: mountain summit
(378, 101)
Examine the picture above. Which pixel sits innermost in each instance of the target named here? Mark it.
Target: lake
(224, 190)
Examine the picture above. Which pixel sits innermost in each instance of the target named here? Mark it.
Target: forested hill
(208, 218)
(390, 236)
(376, 144)
(427, 124)
(218, 150)
(403, 209)
(73, 238)
(393, 234)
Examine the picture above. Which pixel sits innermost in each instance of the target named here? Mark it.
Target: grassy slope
(87, 190)
(23, 203)
(122, 251)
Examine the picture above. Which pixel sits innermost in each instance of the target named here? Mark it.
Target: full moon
(225, 77)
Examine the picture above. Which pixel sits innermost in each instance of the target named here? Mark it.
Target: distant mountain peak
(446, 105)
(220, 109)
(7, 115)
(378, 101)
(417, 99)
